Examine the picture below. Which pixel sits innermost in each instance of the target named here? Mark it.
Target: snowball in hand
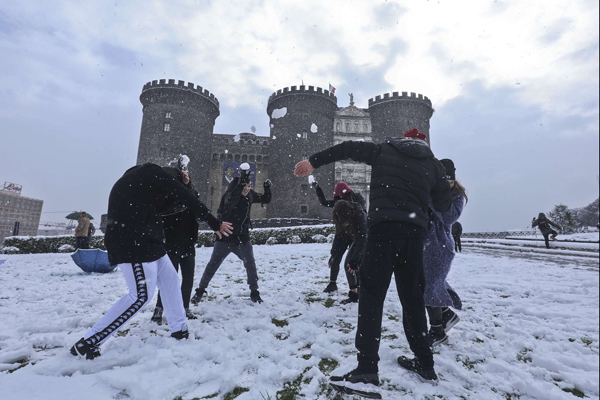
(244, 166)
(311, 179)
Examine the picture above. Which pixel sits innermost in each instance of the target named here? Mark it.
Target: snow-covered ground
(529, 330)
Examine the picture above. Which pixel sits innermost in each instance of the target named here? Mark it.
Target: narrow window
(168, 115)
(304, 190)
(167, 127)
(304, 135)
(304, 158)
(303, 209)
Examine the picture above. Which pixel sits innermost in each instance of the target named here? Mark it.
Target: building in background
(19, 215)
(179, 117)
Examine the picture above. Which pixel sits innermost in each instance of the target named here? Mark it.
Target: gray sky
(514, 85)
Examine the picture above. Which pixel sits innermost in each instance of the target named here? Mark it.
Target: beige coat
(82, 227)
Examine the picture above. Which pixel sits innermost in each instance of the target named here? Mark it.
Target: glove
(267, 185)
(352, 265)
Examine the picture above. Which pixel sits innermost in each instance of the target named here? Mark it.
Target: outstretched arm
(321, 197)
(364, 152)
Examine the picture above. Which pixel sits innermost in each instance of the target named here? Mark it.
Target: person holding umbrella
(81, 232)
(135, 241)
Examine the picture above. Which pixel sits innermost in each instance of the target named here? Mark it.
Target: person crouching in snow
(235, 207)
(437, 260)
(135, 240)
(351, 226)
(340, 242)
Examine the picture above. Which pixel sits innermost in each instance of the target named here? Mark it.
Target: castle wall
(393, 114)
(301, 121)
(178, 119)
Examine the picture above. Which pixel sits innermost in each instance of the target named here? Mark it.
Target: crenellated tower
(178, 118)
(301, 122)
(393, 114)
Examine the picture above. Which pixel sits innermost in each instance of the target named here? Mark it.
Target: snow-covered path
(529, 330)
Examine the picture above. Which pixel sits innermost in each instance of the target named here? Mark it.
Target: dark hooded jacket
(134, 230)
(544, 224)
(405, 178)
(180, 227)
(235, 208)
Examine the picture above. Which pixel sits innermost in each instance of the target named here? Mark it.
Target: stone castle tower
(179, 118)
(301, 121)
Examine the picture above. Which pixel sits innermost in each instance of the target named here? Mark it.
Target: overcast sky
(514, 86)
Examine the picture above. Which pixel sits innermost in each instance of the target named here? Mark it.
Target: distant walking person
(181, 235)
(81, 231)
(456, 234)
(135, 242)
(340, 242)
(351, 226)
(545, 227)
(405, 178)
(437, 260)
(235, 207)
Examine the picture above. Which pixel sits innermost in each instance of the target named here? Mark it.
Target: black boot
(332, 287)
(83, 348)
(189, 314)
(449, 319)
(358, 376)
(157, 316)
(437, 336)
(198, 296)
(427, 374)
(352, 298)
(182, 334)
(255, 296)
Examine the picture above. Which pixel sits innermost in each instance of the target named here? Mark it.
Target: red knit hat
(414, 133)
(341, 188)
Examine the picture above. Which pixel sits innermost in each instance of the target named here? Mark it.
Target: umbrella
(93, 260)
(75, 215)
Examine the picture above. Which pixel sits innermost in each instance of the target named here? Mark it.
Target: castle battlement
(395, 96)
(302, 89)
(181, 85)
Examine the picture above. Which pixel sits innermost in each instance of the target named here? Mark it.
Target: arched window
(237, 158)
(244, 157)
(251, 158)
(222, 157)
(258, 158)
(229, 157)
(215, 157)
(347, 126)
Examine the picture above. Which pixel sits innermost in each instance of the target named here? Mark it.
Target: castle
(179, 118)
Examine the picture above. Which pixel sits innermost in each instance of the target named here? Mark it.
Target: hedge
(284, 235)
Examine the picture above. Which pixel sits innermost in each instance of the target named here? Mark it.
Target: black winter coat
(354, 196)
(404, 179)
(134, 230)
(544, 224)
(235, 208)
(456, 229)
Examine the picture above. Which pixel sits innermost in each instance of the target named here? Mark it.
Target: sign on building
(12, 187)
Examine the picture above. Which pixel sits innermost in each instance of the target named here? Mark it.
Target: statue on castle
(351, 98)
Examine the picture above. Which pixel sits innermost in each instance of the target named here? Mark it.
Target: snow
(311, 179)
(529, 328)
(313, 128)
(279, 113)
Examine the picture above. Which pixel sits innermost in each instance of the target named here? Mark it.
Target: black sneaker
(358, 376)
(332, 287)
(198, 296)
(189, 314)
(83, 348)
(437, 336)
(255, 296)
(449, 319)
(352, 298)
(414, 365)
(157, 316)
(182, 334)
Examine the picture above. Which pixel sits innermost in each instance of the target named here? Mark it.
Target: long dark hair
(176, 173)
(460, 189)
(345, 218)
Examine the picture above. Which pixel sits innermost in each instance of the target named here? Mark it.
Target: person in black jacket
(181, 235)
(545, 226)
(235, 207)
(351, 226)
(135, 241)
(340, 242)
(456, 234)
(405, 178)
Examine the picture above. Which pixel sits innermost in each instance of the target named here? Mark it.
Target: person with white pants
(135, 242)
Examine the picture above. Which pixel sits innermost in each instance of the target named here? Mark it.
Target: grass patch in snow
(292, 389)
(279, 322)
(329, 302)
(575, 392)
(326, 365)
(235, 393)
(23, 363)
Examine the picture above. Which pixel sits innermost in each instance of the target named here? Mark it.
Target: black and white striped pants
(142, 279)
